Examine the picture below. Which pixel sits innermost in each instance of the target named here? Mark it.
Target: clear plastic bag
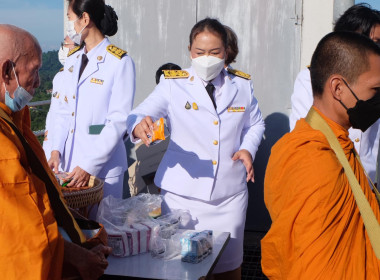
(128, 223)
(195, 246)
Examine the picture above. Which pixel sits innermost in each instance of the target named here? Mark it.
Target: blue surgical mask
(20, 97)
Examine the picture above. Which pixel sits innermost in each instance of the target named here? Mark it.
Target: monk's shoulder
(8, 148)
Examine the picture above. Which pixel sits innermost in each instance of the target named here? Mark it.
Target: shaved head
(20, 60)
(16, 43)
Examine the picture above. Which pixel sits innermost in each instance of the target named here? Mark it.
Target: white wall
(318, 20)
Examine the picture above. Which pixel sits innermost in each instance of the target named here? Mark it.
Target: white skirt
(226, 215)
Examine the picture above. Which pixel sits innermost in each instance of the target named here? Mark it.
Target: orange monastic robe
(30, 245)
(317, 231)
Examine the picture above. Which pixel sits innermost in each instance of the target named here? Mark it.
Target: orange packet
(158, 132)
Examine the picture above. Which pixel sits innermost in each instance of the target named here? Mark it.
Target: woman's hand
(143, 129)
(246, 158)
(54, 160)
(79, 177)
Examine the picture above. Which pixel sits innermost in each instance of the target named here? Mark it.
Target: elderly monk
(317, 231)
(31, 246)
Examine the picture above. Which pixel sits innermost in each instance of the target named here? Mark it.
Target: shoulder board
(74, 50)
(60, 70)
(239, 73)
(119, 53)
(175, 74)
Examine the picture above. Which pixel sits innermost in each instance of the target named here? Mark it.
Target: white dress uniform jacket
(198, 162)
(103, 96)
(366, 144)
(56, 96)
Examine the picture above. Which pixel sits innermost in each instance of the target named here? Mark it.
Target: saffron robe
(317, 231)
(30, 244)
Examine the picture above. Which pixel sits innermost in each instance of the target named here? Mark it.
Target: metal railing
(36, 104)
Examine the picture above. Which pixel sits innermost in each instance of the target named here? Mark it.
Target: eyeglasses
(63, 44)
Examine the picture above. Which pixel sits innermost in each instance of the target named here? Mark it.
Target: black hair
(166, 66)
(343, 53)
(360, 18)
(102, 15)
(209, 24)
(232, 45)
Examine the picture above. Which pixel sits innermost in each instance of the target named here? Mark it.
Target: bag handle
(370, 221)
(62, 214)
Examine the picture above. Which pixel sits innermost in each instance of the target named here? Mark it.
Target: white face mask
(73, 35)
(62, 54)
(207, 67)
(20, 97)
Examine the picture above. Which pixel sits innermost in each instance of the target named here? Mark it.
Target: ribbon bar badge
(236, 109)
(97, 81)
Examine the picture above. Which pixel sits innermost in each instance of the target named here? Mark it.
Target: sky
(44, 18)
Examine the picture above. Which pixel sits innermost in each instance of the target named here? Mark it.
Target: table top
(145, 266)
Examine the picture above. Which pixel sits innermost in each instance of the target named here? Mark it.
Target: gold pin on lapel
(71, 69)
(66, 99)
(188, 106)
(192, 78)
(195, 106)
(97, 81)
(100, 57)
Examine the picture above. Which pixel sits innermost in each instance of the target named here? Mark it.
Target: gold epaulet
(60, 70)
(119, 53)
(239, 73)
(175, 74)
(74, 50)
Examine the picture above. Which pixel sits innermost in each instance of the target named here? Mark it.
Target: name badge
(97, 81)
(235, 109)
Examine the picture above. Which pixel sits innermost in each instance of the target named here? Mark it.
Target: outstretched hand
(54, 161)
(79, 177)
(143, 130)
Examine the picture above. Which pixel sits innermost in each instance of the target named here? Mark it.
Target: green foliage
(50, 66)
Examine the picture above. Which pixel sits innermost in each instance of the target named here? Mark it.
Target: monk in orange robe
(31, 246)
(317, 231)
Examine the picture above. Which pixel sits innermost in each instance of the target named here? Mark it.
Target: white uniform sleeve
(121, 101)
(302, 97)
(60, 130)
(253, 128)
(155, 105)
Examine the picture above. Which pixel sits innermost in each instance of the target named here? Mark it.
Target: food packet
(62, 178)
(158, 131)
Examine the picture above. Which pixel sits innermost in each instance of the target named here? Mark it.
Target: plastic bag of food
(195, 246)
(128, 222)
(62, 178)
(158, 132)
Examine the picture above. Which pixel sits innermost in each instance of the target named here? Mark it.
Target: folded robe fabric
(31, 247)
(317, 231)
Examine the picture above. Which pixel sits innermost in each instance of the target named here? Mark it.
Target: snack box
(196, 246)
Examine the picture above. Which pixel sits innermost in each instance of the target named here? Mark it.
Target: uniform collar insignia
(239, 73)
(175, 74)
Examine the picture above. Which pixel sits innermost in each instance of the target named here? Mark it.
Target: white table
(144, 266)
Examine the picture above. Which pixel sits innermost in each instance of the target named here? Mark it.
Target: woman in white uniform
(216, 127)
(100, 85)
